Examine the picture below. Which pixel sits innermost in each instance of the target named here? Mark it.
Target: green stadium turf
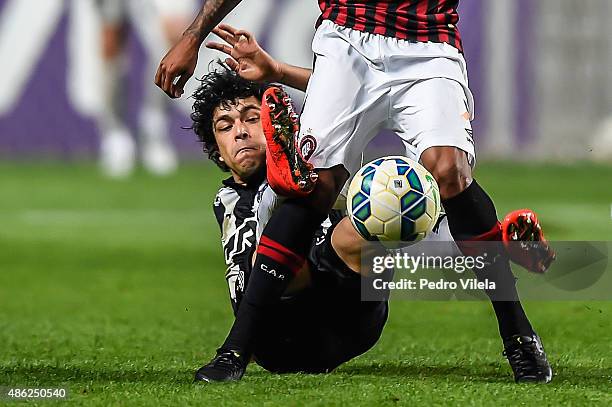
(116, 291)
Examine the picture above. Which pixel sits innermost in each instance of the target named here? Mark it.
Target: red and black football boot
(289, 174)
(525, 242)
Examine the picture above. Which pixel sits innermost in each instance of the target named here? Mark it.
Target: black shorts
(325, 325)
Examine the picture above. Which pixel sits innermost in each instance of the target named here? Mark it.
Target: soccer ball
(393, 199)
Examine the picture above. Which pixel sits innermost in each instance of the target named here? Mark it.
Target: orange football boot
(525, 242)
(288, 173)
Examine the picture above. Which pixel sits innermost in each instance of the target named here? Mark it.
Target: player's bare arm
(252, 62)
(180, 62)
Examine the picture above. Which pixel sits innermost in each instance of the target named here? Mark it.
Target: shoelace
(227, 362)
(523, 358)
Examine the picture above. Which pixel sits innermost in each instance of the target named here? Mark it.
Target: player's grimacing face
(240, 137)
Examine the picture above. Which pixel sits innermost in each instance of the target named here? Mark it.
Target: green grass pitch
(116, 291)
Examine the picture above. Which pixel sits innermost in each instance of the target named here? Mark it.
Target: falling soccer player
(320, 322)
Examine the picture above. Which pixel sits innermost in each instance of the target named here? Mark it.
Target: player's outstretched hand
(178, 66)
(247, 58)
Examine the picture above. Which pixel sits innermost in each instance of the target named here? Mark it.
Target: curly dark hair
(221, 87)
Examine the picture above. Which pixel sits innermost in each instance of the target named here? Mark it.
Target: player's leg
(437, 112)
(117, 148)
(329, 324)
(348, 244)
(472, 217)
(314, 333)
(357, 325)
(322, 325)
(157, 151)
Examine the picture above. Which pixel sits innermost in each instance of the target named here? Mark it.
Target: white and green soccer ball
(393, 199)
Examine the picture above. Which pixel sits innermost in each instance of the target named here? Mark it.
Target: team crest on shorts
(308, 145)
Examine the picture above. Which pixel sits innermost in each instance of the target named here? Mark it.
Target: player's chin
(251, 166)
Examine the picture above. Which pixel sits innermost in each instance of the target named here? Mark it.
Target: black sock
(281, 253)
(472, 214)
(511, 319)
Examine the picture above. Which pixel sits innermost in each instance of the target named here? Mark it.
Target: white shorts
(363, 83)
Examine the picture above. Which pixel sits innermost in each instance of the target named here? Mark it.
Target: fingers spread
(228, 28)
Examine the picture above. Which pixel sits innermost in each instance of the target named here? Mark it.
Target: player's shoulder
(220, 203)
(230, 192)
(227, 190)
(224, 192)
(224, 201)
(224, 196)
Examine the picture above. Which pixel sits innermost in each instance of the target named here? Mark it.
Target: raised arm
(180, 62)
(252, 62)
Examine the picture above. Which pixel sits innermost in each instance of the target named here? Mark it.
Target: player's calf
(450, 167)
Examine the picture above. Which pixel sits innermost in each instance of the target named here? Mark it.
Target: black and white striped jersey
(242, 212)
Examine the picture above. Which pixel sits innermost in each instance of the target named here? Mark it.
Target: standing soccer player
(156, 23)
(379, 64)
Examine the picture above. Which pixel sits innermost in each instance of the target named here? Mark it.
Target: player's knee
(451, 177)
(112, 41)
(450, 168)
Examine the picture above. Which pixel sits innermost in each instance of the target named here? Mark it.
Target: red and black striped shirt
(413, 20)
